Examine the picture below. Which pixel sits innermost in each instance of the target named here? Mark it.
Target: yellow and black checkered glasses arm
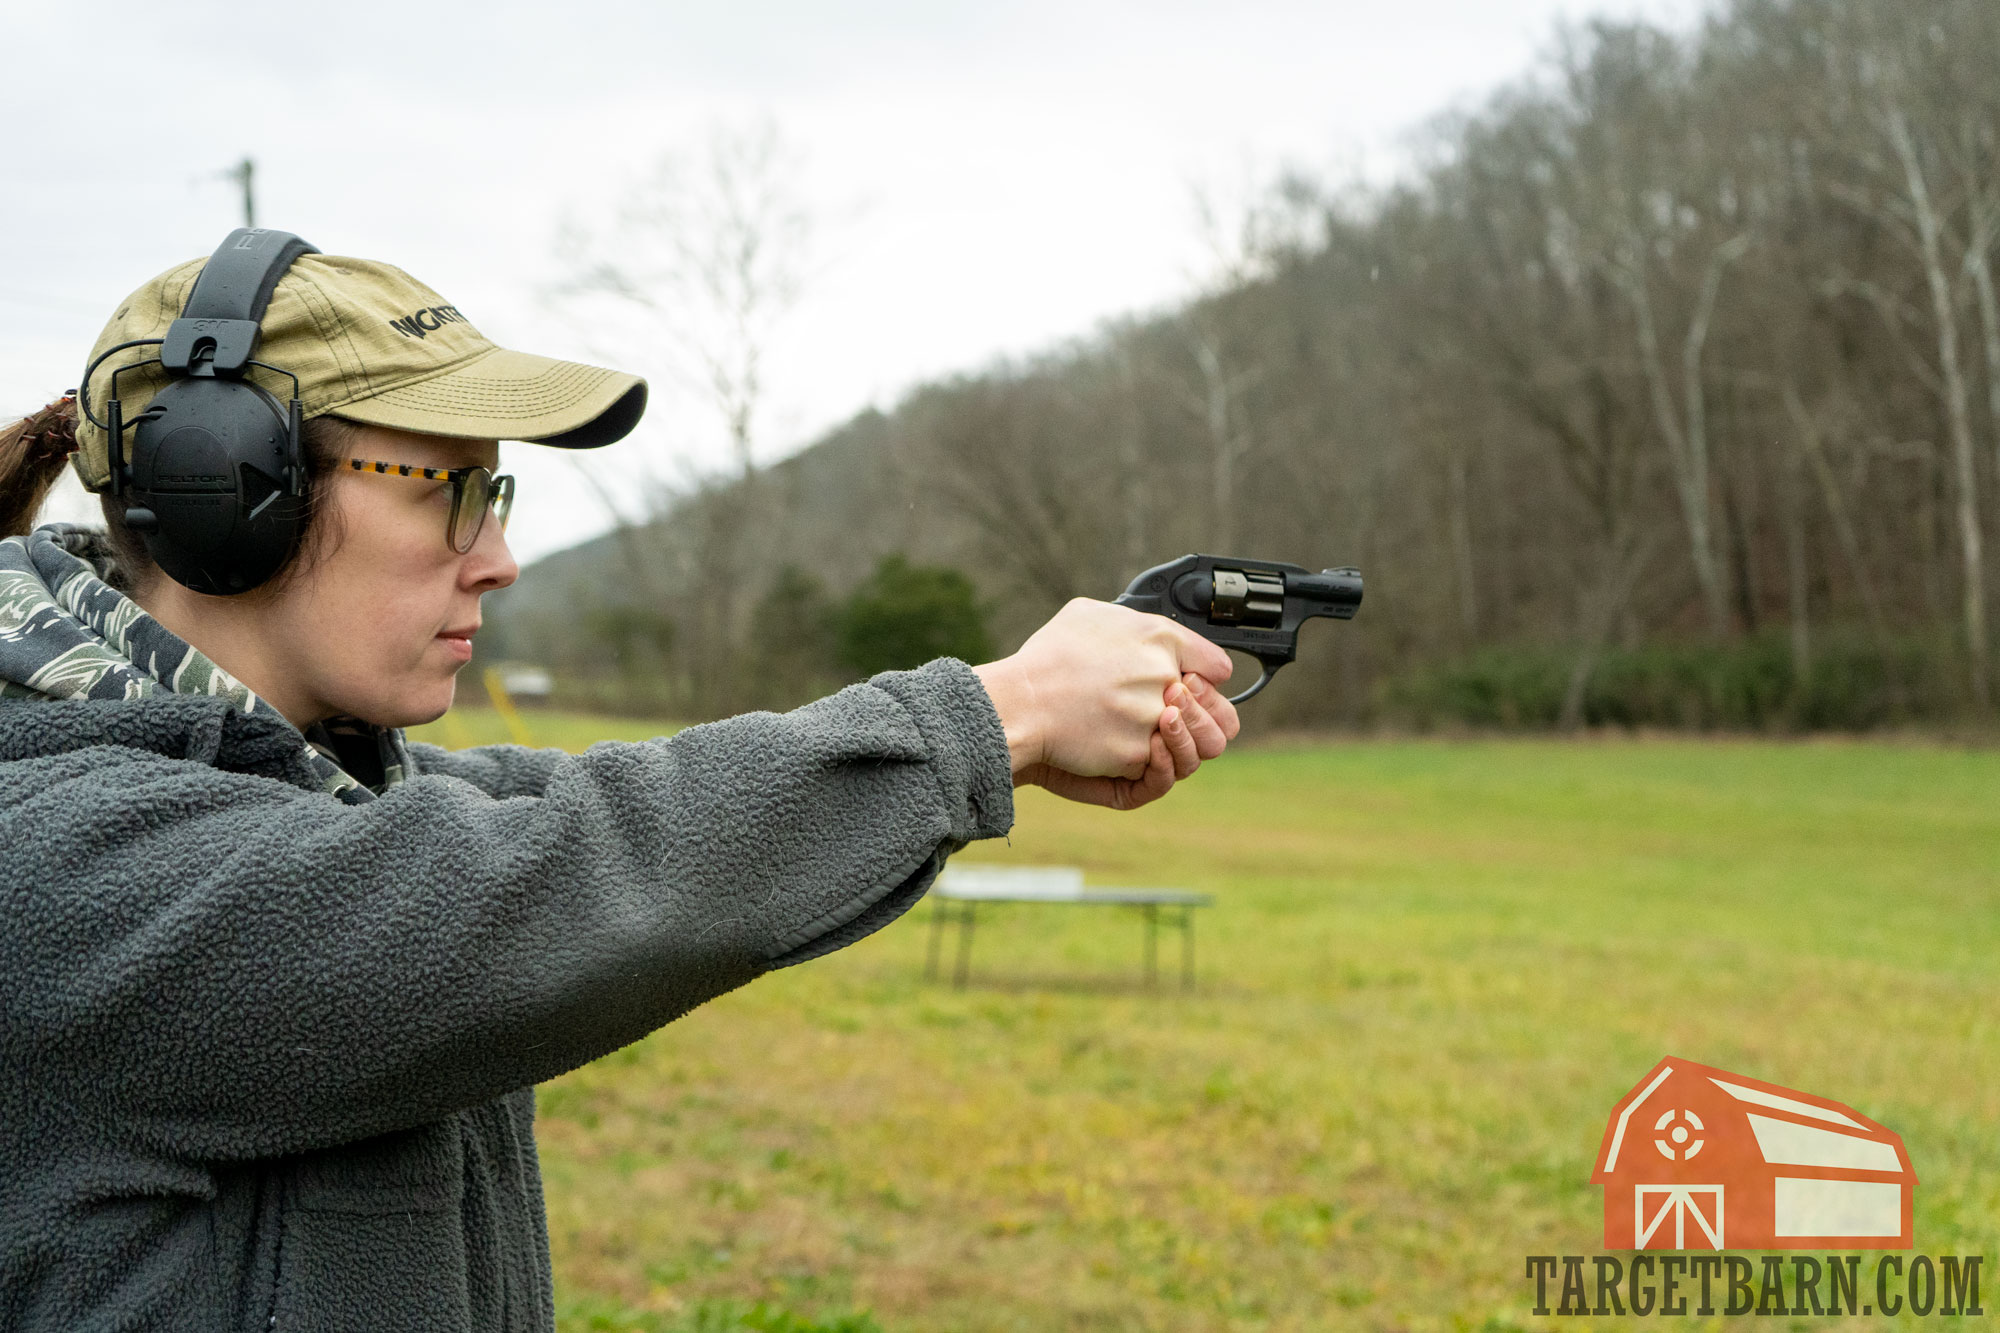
(404, 469)
(474, 490)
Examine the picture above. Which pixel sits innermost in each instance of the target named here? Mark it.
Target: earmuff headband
(218, 331)
(240, 276)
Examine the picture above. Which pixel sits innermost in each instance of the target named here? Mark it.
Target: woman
(278, 984)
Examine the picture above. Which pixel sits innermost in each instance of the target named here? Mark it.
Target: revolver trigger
(1270, 669)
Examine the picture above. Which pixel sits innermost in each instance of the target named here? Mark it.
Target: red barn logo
(1698, 1158)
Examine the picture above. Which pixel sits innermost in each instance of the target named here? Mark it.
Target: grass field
(1431, 970)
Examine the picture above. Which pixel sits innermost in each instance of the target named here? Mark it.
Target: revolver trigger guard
(1269, 669)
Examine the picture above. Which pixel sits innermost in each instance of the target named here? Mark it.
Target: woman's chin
(415, 706)
(437, 704)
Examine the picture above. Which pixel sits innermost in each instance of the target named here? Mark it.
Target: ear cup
(208, 490)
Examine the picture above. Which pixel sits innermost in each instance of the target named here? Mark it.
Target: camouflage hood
(66, 633)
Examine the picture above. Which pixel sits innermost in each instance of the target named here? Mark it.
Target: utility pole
(244, 173)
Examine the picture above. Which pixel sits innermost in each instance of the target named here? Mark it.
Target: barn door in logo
(1680, 1201)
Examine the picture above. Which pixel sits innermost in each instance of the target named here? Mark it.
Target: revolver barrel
(1333, 592)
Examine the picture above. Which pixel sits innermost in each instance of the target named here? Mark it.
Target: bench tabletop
(1178, 897)
(1050, 884)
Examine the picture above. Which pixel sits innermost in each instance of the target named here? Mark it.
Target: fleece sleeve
(233, 967)
(497, 770)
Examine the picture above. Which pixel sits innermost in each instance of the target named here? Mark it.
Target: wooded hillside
(1667, 391)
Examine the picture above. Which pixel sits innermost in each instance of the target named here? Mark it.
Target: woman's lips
(458, 643)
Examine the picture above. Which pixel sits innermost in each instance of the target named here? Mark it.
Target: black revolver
(1253, 606)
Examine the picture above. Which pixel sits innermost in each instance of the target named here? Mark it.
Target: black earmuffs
(215, 485)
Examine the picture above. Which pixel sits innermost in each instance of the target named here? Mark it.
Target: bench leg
(965, 924)
(1187, 948)
(937, 937)
(1152, 942)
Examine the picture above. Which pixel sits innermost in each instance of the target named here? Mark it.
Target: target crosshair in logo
(1680, 1143)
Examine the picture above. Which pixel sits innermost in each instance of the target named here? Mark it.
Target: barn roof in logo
(1699, 1158)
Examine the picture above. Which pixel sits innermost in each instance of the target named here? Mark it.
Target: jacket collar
(67, 634)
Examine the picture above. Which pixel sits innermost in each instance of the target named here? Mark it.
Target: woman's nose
(489, 565)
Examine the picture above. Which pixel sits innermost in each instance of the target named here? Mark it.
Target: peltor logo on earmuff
(423, 323)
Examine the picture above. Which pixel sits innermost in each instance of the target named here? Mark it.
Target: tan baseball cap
(372, 344)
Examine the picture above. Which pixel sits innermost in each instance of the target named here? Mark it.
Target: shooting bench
(959, 891)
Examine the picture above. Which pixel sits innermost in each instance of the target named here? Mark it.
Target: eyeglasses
(474, 490)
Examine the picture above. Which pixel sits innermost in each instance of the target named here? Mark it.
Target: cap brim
(507, 395)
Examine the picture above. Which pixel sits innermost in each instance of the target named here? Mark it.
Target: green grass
(570, 731)
(1431, 969)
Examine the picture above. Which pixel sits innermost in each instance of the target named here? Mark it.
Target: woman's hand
(1111, 706)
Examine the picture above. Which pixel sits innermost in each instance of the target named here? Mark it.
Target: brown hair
(32, 453)
(34, 450)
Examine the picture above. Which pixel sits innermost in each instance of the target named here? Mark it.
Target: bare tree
(1923, 213)
(711, 251)
(702, 261)
(1246, 244)
(1683, 425)
(1217, 400)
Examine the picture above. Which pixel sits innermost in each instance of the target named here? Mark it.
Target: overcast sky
(988, 179)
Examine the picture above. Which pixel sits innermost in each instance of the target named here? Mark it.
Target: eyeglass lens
(503, 500)
(476, 493)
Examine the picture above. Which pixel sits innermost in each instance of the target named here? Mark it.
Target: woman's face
(380, 619)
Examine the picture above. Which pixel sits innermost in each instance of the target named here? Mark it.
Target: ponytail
(32, 453)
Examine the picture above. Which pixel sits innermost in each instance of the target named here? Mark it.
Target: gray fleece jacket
(267, 1054)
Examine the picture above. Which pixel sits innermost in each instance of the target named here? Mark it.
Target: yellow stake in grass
(503, 704)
